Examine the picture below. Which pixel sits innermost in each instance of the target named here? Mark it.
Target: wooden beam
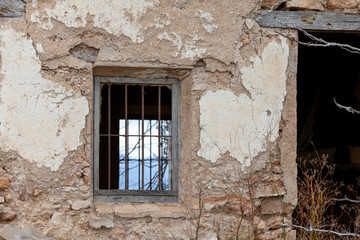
(140, 70)
(320, 21)
(11, 8)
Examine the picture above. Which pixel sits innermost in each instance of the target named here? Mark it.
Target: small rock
(7, 214)
(80, 205)
(249, 23)
(341, 4)
(58, 218)
(118, 232)
(314, 5)
(22, 197)
(105, 222)
(13, 232)
(270, 4)
(4, 183)
(29, 188)
(37, 192)
(59, 233)
(104, 209)
(8, 198)
(2, 199)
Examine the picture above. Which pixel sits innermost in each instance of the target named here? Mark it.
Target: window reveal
(135, 136)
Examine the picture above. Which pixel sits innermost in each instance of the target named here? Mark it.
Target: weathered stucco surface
(244, 125)
(75, 13)
(39, 119)
(237, 121)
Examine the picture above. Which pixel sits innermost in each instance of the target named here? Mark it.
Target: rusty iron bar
(150, 183)
(142, 136)
(159, 127)
(139, 160)
(130, 135)
(126, 139)
(109, 136)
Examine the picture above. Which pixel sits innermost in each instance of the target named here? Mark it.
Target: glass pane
(134, 162)
(165, 128)
(134, 127)
(165, 163)
(122, 126)
(151, 127)
(151, 150)
(122, 164)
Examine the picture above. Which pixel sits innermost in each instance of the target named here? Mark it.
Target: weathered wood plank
(11, 8)
(310, 21)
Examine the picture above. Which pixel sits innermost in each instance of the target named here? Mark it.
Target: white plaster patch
(39, 119)
(116, 17)
(207, 21)
(176, 41)
(241, 124)
(191, 50)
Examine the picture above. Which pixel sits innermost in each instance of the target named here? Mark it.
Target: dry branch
(348, 109)
(311, 229)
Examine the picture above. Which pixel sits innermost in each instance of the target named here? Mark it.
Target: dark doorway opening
(325, 74)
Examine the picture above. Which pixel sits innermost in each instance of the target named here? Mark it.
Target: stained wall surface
(237, 166)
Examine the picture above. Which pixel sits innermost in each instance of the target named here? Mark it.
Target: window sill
(136, 210)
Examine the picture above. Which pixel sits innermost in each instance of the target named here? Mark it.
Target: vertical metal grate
(139, 138)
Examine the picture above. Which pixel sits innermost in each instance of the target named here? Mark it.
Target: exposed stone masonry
(237, 116)
(347, 6)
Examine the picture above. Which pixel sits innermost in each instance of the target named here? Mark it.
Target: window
(136, 139)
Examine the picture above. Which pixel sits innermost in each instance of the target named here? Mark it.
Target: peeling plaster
(39, 119)
(116, 17)
(207, 21)
(176, 41)
(241, 124)
(191, 50)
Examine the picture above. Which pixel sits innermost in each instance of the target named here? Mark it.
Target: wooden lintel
(320, 21)
(140, 70)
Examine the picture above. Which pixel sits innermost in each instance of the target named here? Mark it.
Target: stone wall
(237, 118)
(343, 6)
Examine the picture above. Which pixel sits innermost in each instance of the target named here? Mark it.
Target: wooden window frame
(114, 195)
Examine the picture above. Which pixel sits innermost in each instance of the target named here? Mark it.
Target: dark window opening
(136, 140)
(135, 137)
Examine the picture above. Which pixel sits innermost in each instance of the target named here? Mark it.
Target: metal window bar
(150, 183)
(163, 142)
(142, 136)
(126, 140)
(109, 137)
(159, 133)
(139, 160)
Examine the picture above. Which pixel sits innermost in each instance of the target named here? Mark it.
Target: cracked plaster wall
(39, 119)
(238, 88)
(244, 125)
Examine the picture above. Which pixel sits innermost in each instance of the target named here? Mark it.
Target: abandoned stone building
(160, 119)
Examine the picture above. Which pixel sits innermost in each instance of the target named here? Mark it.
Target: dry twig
(348, 109)
(311, 229)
